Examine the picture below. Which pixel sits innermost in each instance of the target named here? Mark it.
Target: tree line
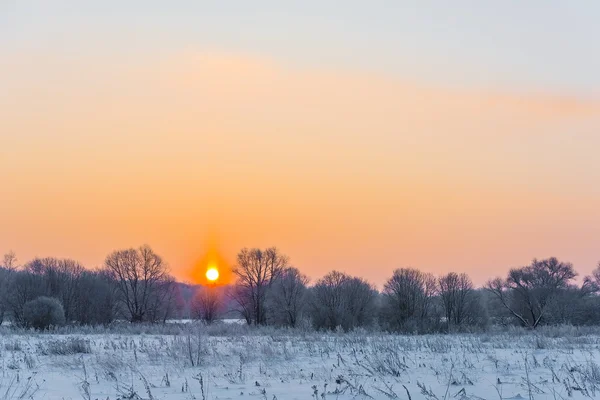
(135, 285)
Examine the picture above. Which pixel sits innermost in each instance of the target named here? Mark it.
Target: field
(235, 362)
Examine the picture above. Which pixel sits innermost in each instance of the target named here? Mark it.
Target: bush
(43, 313)
(66, 347)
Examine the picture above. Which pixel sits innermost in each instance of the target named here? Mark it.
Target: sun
(212, 274)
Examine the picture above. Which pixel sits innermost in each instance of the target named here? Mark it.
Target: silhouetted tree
(575, 305)
(287, 297)
(244, 302)
(9, 261)
(60, 279)
(591, 283)
(408, 300)
(527, 291)
(96, 299)
(7, 267)
(256, 271)
(568, 306)
(23, 287)
(207, 304)
(4, 277)
(339, 300)
(457, 296)
(163, 301)
(139, 275)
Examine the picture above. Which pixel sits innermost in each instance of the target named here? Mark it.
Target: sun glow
(212, 274)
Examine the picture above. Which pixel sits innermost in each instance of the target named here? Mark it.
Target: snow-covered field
(283, 365)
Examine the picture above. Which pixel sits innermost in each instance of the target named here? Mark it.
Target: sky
(356, 136)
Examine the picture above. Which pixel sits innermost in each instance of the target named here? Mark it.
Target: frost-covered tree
(340, 300)
(527, 291)
(457, 296)
(408, 298)
(22, 287)
(43, 313)
(60, 279)
(8, 264)
(207, 304)
(140, 275)
(591, 283)
(286, 300)
(96, 299)
(256, 270)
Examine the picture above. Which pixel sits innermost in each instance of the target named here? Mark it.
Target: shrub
(43, 313)
(65, 347)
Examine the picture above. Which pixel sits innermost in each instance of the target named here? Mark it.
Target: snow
(284, 366)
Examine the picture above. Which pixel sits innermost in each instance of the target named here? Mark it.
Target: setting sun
(212, 274)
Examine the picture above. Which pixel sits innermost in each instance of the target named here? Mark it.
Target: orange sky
(339, 169)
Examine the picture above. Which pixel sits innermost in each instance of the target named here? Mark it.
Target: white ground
(281, 366)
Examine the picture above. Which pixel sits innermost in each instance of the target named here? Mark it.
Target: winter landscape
(230, 362)
(299, 199)
(111, 334)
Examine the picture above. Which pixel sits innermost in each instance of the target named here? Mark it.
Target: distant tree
(339, 300)
(5, 270)
(173, 304)
(408, 300)
(360, 303)
(569, 306)
(207, 304)
(9, 261)
(575, 305)
(256, 270)
(527, 291)
(4, 277)
(61, 278)
(244, 302)
(287, 297)
(7, 266)
(591, 283)
(457, 296)
(96, 299)
(43, 313)
(163, 303)
(139, 275)
(329, 308)
(22, 287)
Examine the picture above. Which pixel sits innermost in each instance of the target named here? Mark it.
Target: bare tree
(339, 300)
(591, 283)
(60, 278)
(86, 297)
(256, 271)
(408, 298)
(207, 304)
(172, 301)
(96, 299)
(9, 261)
(8, 266)
(4, 279)
(328, 300)
(360, 302)
(139, 275)
(286, 299)
(162, 304)
(242, 297)
(457, 295)
(527, 291)
(20, 287)
(23, 287)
